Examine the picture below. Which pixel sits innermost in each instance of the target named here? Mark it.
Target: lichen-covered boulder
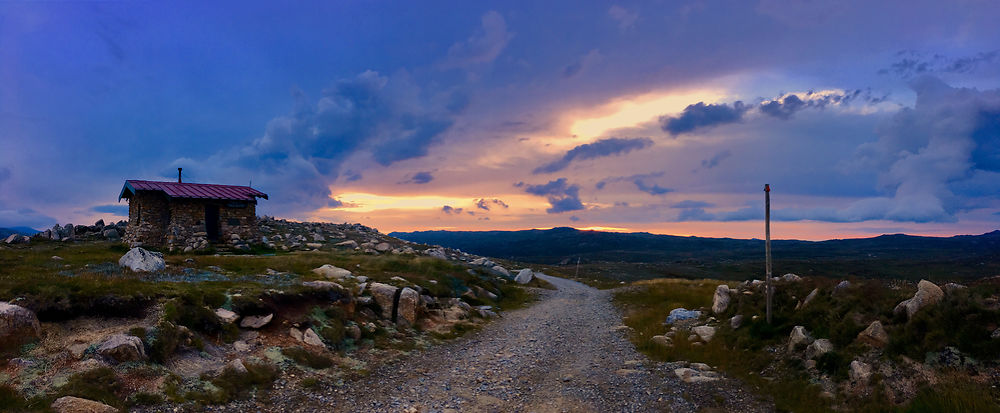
(705, 333)
(501, 270)
(720, 302)
(406, 313)
(17, 325)
(874, 335)
(256, 321)
(384, 295)
(122, 348)
(139, 260)
(524, 276)
(798, 338)
(330, 271)
(860, 372)
(927, 294)
(818, 348)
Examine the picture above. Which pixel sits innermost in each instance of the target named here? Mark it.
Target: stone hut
(181, 215)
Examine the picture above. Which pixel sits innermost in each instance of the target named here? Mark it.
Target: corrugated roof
(196, 191)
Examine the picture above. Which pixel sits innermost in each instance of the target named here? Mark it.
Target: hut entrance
(212, 222)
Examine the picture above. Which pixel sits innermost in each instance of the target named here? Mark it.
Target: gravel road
(567, 352)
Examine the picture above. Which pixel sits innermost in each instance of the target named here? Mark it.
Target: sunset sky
(661, 116)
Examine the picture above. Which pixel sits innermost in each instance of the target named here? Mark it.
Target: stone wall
(148, 216)
(187, 227)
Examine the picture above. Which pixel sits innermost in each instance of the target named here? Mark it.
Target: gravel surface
(567, 352)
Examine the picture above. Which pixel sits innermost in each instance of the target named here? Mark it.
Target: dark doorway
(212, 222)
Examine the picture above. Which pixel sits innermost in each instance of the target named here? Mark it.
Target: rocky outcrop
(818, 348)
(17, 325)
(720, 301)
(384, 295)
(122, 348)
(70, 404)
(140, 260)
(330, 271)
(524, 276)
(406, 312)
(860, 372)
(501, 270)
(927, 294)
(798, 338)
(874, 335)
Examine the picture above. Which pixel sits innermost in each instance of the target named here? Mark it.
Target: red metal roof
(198, 191)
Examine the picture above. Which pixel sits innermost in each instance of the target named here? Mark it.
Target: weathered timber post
(767, 248)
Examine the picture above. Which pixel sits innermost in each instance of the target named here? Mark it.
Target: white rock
(927, 294)
(809, 298)
(874, 335)
(295, 333)
(70, 404)
(705, 333)
(524, 276)
(662, 341)
(256, 321)
(323, 285)
(860, 372)
(503, 271)
(310, 337)
(818, 348)
(736, 321)
(384, 294)
(720, 302)
(799, 337)
(138, 259)
(226, 316)
(330, 271)
(689, 375)
(349, 244)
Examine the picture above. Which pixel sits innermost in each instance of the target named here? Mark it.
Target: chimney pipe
(178, 175)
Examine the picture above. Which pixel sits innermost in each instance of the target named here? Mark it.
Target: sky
(661, 116)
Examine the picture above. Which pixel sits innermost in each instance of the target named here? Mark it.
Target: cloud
(625, 18)
(692, 204)
(483, 46)
(448, 209)
(715, 159)
(640, 181)
(26, 217)
(300, 154)
(591, 58)
(562, 197)
(484, 204)
(119, 210)
(574, 218)
(419, 178)
(603, 147)
(654, 189)
(912, 63)
(700, 115)
(783, 107)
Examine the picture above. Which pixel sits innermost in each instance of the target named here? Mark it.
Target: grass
(747, 353)
(307, 358)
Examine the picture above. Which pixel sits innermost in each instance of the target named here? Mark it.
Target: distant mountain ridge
(895, 255)
(5, 232)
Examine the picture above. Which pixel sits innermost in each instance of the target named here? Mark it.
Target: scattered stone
(70, 404)
(323, 285)
(241, 346)
(720, 302)
(662, 341)
(841, 286)
(524, 276)
(689, 375)
(314, 245)
(860, 372)
(809, 298)
(295, 333)
(798, 338)
(256, 321)
(819, 348)
(790, 277)
(140, 260)
(310, 337)
(111, 234)
(952, 288)
(330, 271)
(17, 324)
(226, 316)
(349, 244)
(77, 350)
(503, 271)
(927, 294)
(122, 348)
(704, 332)
(874, 335)
(237, 366)
(353, 331)
(383, 247)
(736, 321)
(408, 302)
(384, 295)
(679, 314)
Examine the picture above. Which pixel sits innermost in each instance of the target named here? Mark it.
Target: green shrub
(163, 341)
(100, 384)
(307, 358)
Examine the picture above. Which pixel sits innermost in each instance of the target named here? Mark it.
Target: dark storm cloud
(783, 107)
(562, 197)
(911, 63)
(603, 147)
(700, 115)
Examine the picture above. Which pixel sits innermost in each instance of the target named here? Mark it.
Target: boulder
(409, 299)
(122, 348)
(874, 335)
(952, 288)
(314, 245)
(705, 333)
(679, 314)
(70, 404)
(524, 276)
(842, 286)
(12, 239)
(798, 338)
(17, 324)
(330, 271)
(226, 316)
(736, 321)
(503, 271)
(927, 294)
(353, 331)
(663, 341)
(310, 337)
(383, 247)
(860, 372)
(295, 333)
(256, 321)
(349, 244)
(720, 302)
(139, 260)
(323, 285)
(818, 348)
(111, 233)
(384, 295)
(689, 375)
(790, 277)
(809, 298)
(237, 366)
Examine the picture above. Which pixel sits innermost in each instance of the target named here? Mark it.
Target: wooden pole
(767, 248)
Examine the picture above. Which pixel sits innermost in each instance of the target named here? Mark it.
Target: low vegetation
(942, 358)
